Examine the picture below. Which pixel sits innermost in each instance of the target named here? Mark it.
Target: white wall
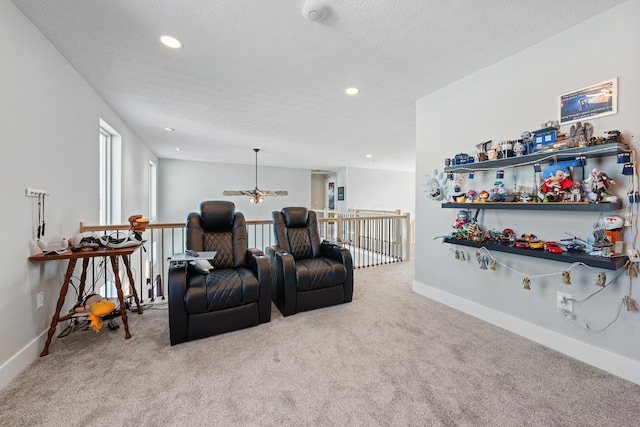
(499, 103)
(50, 121)
(184, 184)
(380, 190)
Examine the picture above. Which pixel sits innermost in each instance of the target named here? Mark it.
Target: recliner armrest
(283, 279)
(177, 287)
(258, 263)
(333, 251)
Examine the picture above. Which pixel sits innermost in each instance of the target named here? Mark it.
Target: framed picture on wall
(340, 193)
(331, 204)
(589, 102)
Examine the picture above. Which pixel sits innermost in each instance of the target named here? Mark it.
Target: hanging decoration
(630, 304)
(566, 278)
(435, 186)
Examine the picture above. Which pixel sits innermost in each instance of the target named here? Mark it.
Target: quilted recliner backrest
(218, 227)
(296, 231)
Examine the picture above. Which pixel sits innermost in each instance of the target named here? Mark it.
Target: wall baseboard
(610, 362)
(19, 362)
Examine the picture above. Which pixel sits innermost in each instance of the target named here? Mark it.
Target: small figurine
(555, 186)
(458, 196)
(575, 193)
(471, 196)
(483, 260)
(483, 196)
(498, 192)
(462, 219)
(596, 186)
(474, 233)
(602, 280)
(519, 148)
(581, 133)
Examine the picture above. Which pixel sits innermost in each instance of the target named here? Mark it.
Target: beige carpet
(389, 358)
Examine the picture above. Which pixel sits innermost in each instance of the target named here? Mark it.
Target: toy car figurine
(522, 244)
(535, 244)
(508, 236)
(553, 247)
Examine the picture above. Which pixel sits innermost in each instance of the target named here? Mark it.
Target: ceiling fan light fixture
(256, 195)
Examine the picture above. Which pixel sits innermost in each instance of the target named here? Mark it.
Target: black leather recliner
(236, 294)
(306, 273)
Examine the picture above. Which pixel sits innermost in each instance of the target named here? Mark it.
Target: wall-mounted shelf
(613, 263)
(564, 154)
(550, 206)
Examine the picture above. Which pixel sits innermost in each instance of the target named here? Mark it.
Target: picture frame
(340, 193)
(331, 204)
(589, 102)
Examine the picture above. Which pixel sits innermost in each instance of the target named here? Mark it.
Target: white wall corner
(610, 362)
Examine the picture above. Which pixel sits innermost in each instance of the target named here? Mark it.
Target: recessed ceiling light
(352, 90)
(171, 42)
(368, 156)
(169, 129)
(178, 149)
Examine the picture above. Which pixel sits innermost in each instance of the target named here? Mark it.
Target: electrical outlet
(32, 192)
(40, 300)
(564, 301)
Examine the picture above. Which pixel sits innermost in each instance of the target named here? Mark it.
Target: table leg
(123, 309)
(83, 279)
(56, 315)
(132, 283)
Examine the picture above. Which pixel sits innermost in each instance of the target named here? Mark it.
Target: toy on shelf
(472, 196)
(596, 187)
(557, 186)
(498, 192)
(462, 219)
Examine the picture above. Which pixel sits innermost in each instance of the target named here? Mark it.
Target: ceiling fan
(256, 195)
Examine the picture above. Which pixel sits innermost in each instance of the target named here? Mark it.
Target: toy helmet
(463, 215)
(611, 222)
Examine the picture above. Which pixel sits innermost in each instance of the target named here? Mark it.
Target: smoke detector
(314, 10)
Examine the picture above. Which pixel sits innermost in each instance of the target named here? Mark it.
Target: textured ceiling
(256, 74)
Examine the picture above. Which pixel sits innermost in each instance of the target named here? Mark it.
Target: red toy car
(522, 244)
(553, 247)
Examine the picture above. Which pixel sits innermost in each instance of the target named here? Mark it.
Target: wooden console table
(73, 257)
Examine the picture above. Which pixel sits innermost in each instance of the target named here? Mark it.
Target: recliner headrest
(217, 214)
(295, 217)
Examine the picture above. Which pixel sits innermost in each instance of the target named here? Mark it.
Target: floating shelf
(564, 154)
(613, 263)
(539, 206)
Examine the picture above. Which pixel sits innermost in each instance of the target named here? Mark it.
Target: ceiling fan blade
(273, 193)
(233, 193)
